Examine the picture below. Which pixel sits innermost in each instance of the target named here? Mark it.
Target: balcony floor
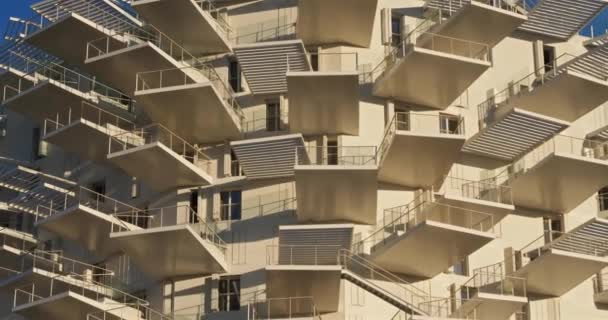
(540, 188)
(495, 208)
(171, 252)
(184, 22)
(419, 161)
(490, 306)
(333, 109)
(429, 78)
(194, 112)
(442, 245)
(176, 171)
(337, 194)
(344, 22)
(555, 272)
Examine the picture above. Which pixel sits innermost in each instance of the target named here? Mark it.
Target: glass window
(234, 76)
(230, 205)
(273, 116)
(229, 293)
(332, 152)
(449, 124)
(194, 206)
(235, 166)
(396, 30)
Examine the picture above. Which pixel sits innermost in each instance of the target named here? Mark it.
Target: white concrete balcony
(57, 89)
(557, 262)
(86, 217)
(489, 195)
(443, 234)
(20, 178)
(13, 244)
(155, 146)
(52, 28)
(283, 308)
(139, 49)
(334, 108)
(268, 157)
(174, 242)
(449, 65)
(483, 21)
(197, 24)
(492, 294)
(85, 131)
(419, 149)
(583, 171)
(261, 124)
(600, 287)
(332, 22)
(202, 111)
(336, 184)
(438, 308)
(317, 271)
(542, 104)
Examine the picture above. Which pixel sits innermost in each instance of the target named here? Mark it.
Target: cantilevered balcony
(336, 184)
(85, 131)
(542, 104)
(600, 286)
(333, 22)
(492, 294)
(316, 271)
(489, 195)
(52, 28)
(197, 24)
(51, 89)
(86, 217)
(142, 49)
(583, 171)
(430, 69)
(442, 234)
(334, 108)
(265, 64)
(154, 146)
(419, 149)
(269, 157)
(48, 194)
(482, 21)
(557, 262)
(201, 111)
(174, 242)
(13, 244)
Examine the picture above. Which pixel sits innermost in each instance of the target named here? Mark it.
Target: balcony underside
(71, 306)
(567, 97)
(194, 112)
(84, 138)
(542, 189)
(320, 282)
(494, 208)
(88, 227)
(60, 40)
(555, 272)
(419, 161)
(429, 78)
(176, 171)
(601, 298)
(442, 245)
(337, 194)
(480, 23)
(10, 76)
(513, 133)
(490, 306)
(184, 22)
(45, 100)
(272, 157)
(119, 68)
(170, 252)
(347, 22)
(332, 109)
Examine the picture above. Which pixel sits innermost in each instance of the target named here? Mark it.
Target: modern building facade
(304, 159)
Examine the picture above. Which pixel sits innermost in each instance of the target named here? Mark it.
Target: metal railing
(17, 239)
(488, 109)
(128, 311)
(214, 305)
(221, 25)
(158, 79)
(258, 122)
(158, 218)
(492, 279)
(283, 308)
(157, 133)
(91, 114)
(420, 123)
(336, 156)
(561, 144)
(486, 190)
(596, 246)
(444, 308)
(449, 7)
(75, 82)
(251, 211)
(313, 255)
(271, 30)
